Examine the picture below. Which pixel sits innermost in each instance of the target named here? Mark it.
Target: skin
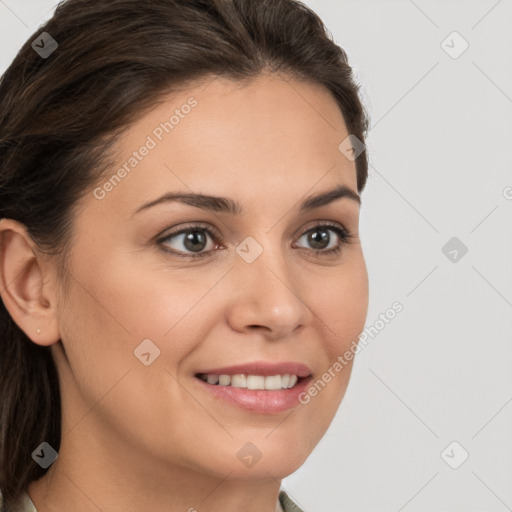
(139, 437)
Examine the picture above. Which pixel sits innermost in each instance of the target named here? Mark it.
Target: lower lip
(259, 400)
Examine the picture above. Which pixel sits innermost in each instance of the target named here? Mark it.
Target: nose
(266, 296)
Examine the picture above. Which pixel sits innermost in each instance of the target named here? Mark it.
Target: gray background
(440, 150)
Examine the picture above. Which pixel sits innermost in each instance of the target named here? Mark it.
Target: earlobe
(28, 299)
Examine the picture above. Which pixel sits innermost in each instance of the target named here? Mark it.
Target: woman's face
(143, 316)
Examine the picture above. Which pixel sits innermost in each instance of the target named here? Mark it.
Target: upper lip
(261, 368)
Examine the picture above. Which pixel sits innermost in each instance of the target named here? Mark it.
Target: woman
(181, 267)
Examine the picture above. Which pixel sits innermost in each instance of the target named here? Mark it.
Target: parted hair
(60, 116)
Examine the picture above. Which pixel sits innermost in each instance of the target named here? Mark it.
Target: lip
(259, 401)
(261, 368)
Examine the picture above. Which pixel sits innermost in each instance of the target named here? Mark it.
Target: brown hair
(59, 115)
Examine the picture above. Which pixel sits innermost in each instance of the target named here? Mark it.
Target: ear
(27, 284)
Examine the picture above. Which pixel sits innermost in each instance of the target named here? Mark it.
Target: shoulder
(287, 503)
(24, 504)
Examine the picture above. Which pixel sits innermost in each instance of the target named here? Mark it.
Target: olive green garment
(25, 504)
(287, 503)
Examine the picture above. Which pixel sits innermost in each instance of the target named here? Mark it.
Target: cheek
(101, 328)
(340, 309)
(342, 306)
(130, 298)
(98, 345)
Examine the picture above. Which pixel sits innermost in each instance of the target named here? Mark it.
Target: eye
(322, 242)
(192, 240)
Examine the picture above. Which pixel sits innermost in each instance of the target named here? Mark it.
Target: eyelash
(344, 235)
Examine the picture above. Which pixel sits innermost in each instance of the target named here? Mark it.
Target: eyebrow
(226, 205)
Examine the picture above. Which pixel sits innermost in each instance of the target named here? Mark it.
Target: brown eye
(321, 241)
(191, 241)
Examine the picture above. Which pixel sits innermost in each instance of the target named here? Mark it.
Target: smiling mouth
(256, 382)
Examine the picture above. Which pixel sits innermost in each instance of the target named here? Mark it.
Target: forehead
(243, 139)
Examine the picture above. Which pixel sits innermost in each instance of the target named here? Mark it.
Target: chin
(277, 456)
(271, 469)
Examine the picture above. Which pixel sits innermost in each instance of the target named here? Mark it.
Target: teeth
(212, 379)
(273, 382)
(255, 382)
(240, 380)
(224, 380)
